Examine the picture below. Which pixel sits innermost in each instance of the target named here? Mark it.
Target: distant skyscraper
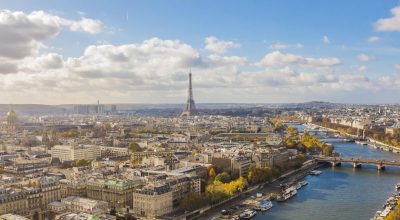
(190, 108)
(96, 109)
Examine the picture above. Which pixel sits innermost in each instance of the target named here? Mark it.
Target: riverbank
(268, 189)
(370, 140)
(389, 208)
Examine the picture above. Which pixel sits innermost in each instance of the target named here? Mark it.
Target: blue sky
(268, 47)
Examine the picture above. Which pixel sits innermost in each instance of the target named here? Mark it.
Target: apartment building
(72, 153)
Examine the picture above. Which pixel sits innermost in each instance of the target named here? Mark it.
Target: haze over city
(239, 52)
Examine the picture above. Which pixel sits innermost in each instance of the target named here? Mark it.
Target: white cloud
(218, 46)
(226, 60)
(325, 40)
(151, 58)
(389, 24)
(362, 69)
(86, 25)
(23, 34)
(397, 67)
(280, 46)
(278, 58)
(155, 70)
(373, 39)
(365, 58)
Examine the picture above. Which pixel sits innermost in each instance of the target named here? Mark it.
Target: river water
(341, 192)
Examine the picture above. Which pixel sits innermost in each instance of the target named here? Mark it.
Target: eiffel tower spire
(190, 108)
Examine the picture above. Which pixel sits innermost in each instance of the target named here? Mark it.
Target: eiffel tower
(190, 108)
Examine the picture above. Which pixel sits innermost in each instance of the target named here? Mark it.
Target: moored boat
(265, 205)
(315, 172)
(361, 142)
(248, 214)
(300, 184)
(397, 186)
(287, 194)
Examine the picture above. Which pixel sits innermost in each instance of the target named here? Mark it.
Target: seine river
(341, 192)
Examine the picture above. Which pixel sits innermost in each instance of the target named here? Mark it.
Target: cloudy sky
(71, 51)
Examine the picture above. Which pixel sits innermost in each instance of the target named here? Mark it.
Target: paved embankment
(267, 188)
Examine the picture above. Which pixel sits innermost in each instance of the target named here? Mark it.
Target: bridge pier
(356, 165)
(380, 167)
(336, 164)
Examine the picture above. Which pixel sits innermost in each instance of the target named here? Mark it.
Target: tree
(327, 150)
(290, 143)
(113, 211)
(259, 174)
(217, 191)
(192, 201)
(298, 161)
(214, 194)
(73, 133)
(211, 173)
(292, 131)
(81, 163)
(134, 147)
(278, 126)
(223, 177)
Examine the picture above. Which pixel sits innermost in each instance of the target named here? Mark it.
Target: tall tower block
(190, 108)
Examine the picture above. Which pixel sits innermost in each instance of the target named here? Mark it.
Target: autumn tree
(259, 174)
(211, 173)
(292, 131)
(81, 163)
(217, 191)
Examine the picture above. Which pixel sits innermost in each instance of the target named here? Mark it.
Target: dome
(11, 112)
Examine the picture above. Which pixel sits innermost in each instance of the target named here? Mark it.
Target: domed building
(11, 119)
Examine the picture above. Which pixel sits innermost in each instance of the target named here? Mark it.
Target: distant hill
(32, 109)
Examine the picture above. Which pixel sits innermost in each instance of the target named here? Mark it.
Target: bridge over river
(357, 161)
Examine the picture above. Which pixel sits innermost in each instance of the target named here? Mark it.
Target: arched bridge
(357, 161)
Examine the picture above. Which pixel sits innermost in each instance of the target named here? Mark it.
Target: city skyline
(263, 52)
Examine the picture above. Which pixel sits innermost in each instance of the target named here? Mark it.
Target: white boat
(303, 183)
(300, 184)
(235, 217)
(315, 172)
(265, 205)
(397, 186)
(361, 142)
(385, 212)
(248, 214)
(287, 194)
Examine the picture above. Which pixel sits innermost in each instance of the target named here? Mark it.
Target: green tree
(223, 177)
